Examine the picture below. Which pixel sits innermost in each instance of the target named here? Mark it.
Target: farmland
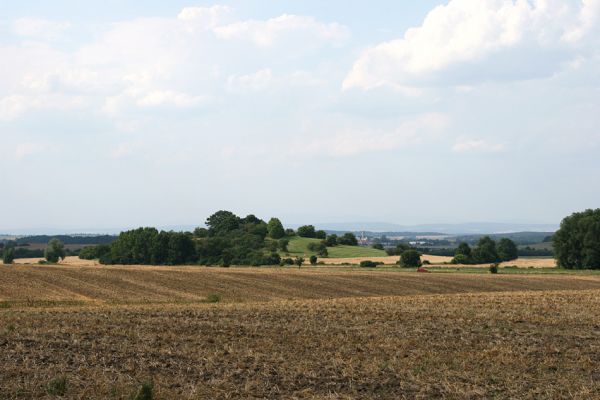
(298, 246)
(296, 333)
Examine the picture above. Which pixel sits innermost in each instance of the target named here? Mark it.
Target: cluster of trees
(227, 239)
(347, 239)
(577, 242)
(55, 251)
(486, 251)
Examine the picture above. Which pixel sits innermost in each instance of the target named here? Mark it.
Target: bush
(369, 264)
(320, 234)
(287, 261)
(377, 246)
(290, 232)
(57, 386)
(410, 259)
(462, 259)
(8, 256)
(299, 261)
(213, 298)
(313, 260)
(398, 250)
(494, 268)
(144, 392)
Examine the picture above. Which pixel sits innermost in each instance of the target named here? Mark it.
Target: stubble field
(105, 331)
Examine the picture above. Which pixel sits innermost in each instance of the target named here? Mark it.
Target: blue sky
(116, 114)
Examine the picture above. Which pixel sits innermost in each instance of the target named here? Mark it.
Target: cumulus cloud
(475, 40)
(275, 30)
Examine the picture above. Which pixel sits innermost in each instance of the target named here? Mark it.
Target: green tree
(331, 240)
(306, 231)
(299, 261)
(507, 250)
(485, 252)
(222, 222)
(348, 239)
(283, 244)
(577, 242)
(320, 234)
(410, 259)
(55, 251)
(8, 256)
(313, 260)
(200, 232)
(463, 249)
(275, 229)
(377, 246)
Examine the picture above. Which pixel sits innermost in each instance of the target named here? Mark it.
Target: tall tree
(275, 229)
(577, 242)
(55, 251)
(507, 250)
(486, 252)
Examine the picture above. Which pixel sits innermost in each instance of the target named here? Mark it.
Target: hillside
(299, 247)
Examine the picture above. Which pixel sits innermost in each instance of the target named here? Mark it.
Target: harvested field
(28, 284)
(527, 345)
(387, 260)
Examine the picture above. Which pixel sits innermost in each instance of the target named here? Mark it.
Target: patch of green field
(299, 247)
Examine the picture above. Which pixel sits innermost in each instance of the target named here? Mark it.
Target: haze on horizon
(120, 114)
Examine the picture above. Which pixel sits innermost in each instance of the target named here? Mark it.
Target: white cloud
(204, 17)
(283, 28)
(464, 145)
(475, 40)
(265, 79)
(169, 98)
(39, 28)
(12, 107)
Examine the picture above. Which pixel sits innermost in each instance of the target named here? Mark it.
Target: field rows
(526, 345)
(23, 285)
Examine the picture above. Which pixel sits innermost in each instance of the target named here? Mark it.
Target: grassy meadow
(299, 247)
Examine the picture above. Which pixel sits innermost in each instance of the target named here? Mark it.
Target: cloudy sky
(121, 113)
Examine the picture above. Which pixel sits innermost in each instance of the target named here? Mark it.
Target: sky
(123, 113)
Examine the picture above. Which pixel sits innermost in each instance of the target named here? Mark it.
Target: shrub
(213, 298)
(313, 260)
(57, 386)
(290, 232)
(369, 264)
(410, 259)
(144, 392)
(377, 246)
(283, 244)
(494, 268)
(287, 261)
(320, 234)
(299, 261)
(462, 259)
(426, 262)
(8, 257)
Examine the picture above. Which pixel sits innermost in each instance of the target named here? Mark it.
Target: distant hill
(431, 229)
